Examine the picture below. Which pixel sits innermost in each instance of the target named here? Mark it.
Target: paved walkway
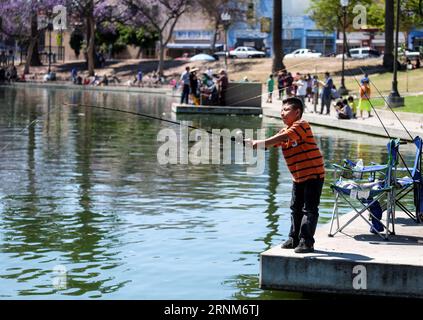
(413, 122)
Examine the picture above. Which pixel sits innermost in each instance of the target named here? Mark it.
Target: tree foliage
(161, 16)
(328, 14)
(19, 20)
(214, 9)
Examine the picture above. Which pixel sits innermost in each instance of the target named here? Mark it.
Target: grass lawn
(412, 104)
(408, 81)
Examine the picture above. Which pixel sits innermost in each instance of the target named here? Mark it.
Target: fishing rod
(380, 120)
(371, 104)
(154, 118)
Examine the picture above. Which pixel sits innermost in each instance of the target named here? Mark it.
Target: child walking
(270, 87)
(305, 162)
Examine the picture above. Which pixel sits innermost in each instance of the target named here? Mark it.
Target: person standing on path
(281, 83)
(185, 88)
(315, 91)
(326, 93)
(223, 82)
(270, 87)
(364, 103)
(301, 89)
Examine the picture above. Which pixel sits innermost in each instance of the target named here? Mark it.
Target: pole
(394, 99)
(343, 90)
(49, 49)
(226, 47)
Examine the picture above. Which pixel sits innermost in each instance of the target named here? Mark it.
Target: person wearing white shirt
(301, 89)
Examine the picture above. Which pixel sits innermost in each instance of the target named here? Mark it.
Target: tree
(380, 14)
(214, 9)
(277, 64)
(125, 35)
(75, 42)
(328, 14)
(410, 16)
(162, 16)
(20, 21)
(93, 14)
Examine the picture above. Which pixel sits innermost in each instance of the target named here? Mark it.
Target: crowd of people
(312, 91)
(95, 80)
(8, 74)
(207, 89)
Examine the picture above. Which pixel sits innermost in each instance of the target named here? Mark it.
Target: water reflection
(81, 187)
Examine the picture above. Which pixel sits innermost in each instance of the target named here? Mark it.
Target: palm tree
(388, 58)
(277, 37)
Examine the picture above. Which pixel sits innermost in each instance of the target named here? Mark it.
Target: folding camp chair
(414, 183)
(351, 187)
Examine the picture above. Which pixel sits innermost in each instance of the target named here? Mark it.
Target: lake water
(86, 211)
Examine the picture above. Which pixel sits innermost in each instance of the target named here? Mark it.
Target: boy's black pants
(305, 209)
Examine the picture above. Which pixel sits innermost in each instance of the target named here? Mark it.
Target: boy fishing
(305, 162)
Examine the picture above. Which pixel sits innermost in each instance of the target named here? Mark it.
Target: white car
(364, 53)
(246, 52)
(408, 53)
(303, 53)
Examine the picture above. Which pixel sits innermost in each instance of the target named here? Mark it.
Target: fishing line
(390, 108)
(371, 104)
(380, 120)
(27, 127)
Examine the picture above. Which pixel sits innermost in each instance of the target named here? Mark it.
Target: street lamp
(226, 18)
(394, 98)
(342, 89)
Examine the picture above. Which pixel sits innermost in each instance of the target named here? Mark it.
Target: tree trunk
(216, 30)
(277, 37)
(32, 56)
(90, 40)
(388, 57)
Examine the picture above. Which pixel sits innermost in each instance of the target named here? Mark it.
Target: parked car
(363, 53)
(408, 53)
(303, 53)
(246, 52)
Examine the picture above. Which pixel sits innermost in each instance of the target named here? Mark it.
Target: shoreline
(412, 121)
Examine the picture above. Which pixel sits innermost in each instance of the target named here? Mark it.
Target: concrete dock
(238, 110)
(353, 262)
(372, 126)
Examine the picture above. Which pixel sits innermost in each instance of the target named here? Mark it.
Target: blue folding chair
(373, 195)
(413, 182)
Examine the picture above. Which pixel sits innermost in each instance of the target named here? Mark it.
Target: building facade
(255, 29)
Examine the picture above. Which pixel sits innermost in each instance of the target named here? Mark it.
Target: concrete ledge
(391, 268)
(239, 110)
(89, 88)
(244, 94)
